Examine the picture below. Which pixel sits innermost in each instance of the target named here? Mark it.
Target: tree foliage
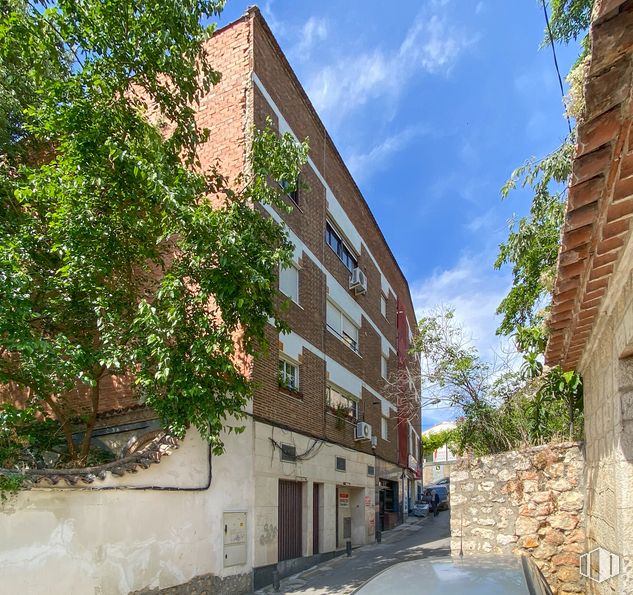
(532, 245)
(533, 241)
(113, 260)
(502, 408)
(431, 442)
(569, 19)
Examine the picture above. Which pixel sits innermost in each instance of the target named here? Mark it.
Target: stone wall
(530, 501)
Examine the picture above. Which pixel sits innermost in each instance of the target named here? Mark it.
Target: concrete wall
(68, 540)
(523, 502)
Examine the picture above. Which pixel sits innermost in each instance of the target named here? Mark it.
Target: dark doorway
(289, 517)
(316, 505)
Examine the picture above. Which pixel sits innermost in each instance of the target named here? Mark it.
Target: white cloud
(486, 221)
(314, 30)
(435, 415)
(474, 289)
(431, 45)
(278, 27)
(376, 159)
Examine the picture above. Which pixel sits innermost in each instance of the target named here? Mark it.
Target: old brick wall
(529, 502)
(592, 312)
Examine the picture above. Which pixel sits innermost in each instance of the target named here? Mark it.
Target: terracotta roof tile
(150, 454)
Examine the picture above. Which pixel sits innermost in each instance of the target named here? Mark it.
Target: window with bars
(288, 375)
(334, 241)
(288, 453)
(342, 326)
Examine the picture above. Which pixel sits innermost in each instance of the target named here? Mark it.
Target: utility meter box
(235, 533)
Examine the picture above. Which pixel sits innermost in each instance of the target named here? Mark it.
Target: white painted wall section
(342, 221)
(343, 377)
(75, 541)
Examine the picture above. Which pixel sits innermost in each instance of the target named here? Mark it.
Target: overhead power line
(551, 42)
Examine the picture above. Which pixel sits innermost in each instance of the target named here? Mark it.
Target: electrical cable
(551, 42)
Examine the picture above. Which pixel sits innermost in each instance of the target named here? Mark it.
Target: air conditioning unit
(358, 281)
(363, 431)
(374, 441)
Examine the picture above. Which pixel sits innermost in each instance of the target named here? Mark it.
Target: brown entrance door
(315, 518)
(289, 520)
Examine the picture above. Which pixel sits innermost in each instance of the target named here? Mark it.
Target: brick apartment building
(329, 453)
(351, 315)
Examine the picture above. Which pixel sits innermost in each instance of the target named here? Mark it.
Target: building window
(383, 366)
(293, 195)
(288, 375)
(340, 464)
(383, 305)
(334, 241)
(289, 282)
(384, 428)
(288, 453)
(371, 470)
(342, 326)
(341, 403)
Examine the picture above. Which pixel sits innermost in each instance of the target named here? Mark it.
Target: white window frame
(283, 374)
(384, 366)
(295, 268)
(384, 428)
(342, 326)
(383, 305)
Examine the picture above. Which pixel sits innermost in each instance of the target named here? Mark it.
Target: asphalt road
(420, 539)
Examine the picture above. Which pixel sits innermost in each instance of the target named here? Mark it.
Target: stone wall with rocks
(530, 501)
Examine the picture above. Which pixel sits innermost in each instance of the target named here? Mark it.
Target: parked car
(443, 481)
(443, 492)
(476, 575)
(420, 509)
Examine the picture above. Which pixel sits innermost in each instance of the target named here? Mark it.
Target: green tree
(502, 408)
(533, 241)
(431, 442)
(532, 245)
(113, 260)
(569, 19)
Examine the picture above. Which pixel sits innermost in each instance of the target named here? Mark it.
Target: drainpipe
(403, 476)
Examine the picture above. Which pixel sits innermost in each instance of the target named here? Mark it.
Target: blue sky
(432, 104)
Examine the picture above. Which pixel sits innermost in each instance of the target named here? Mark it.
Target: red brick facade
(308, 412)
(243, 51)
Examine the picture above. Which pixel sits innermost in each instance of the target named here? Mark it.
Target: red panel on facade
(402, 344)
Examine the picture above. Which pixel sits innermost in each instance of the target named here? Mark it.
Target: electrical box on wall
(235, 535)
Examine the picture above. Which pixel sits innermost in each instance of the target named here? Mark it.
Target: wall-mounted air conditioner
(362, 431)
(358, 281)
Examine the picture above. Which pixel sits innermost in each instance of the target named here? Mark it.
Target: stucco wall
(523, 502)
(83, 540)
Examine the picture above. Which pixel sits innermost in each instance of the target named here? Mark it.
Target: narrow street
(419, 538)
